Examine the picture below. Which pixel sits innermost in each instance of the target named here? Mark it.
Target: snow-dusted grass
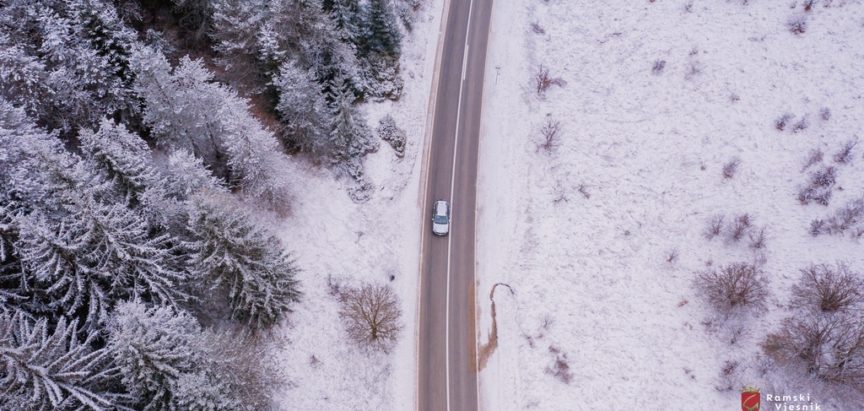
(331, 236)
(657, 98)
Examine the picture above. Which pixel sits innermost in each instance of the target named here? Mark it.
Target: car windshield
(440, 219)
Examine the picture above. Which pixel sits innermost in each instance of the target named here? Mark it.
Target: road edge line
(424, 180)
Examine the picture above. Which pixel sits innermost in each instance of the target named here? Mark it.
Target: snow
(649, 149)
(331, 236)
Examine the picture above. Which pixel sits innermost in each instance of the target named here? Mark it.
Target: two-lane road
(447, 371)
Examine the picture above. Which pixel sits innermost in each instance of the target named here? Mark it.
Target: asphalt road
(447, 369)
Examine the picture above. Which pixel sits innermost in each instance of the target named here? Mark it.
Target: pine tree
(123, 158)
(44, 370)
(186, 175)
(303, 110)
(232, 253)
(202, 391)
(381, 31)
(82, 263)
(180, 106)
(153, 348)
(350, 136)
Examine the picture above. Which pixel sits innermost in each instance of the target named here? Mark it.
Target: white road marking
(452, 184)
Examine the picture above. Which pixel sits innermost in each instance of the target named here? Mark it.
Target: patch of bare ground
(488, 348)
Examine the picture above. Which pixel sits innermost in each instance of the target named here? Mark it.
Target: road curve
(447, 371)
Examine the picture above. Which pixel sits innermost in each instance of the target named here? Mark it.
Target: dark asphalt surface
(447, 372)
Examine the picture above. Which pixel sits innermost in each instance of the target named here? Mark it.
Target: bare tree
(828, 289)
(733, 287)
(550, 133)
(830, 347)
(372, 316)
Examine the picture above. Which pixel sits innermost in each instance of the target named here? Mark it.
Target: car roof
(441, 206)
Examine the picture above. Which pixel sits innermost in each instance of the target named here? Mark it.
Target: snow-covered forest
(142, 146)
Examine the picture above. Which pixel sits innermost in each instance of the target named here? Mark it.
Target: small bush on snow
(828, 289)
(797, 25)
(715, 226)
(543, 80)
(813, 157)
(731, 167)
(733, 287)
(846, 219)
(739, 227)
(820, 186)
(560, 368)
(844, 156)
(392, 134)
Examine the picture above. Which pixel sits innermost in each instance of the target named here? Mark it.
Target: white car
(440, 218)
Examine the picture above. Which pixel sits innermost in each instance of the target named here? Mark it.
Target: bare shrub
(740, 227)
(825, 113)
(801, 125)
(813, 157)
(730, 168)
(658, 67)
(583, 189)
(782, 121)
(560, 367)
(549, 134)
(829, 347)
(757, 240)
(715, 226)
(797, 25)
(817, 226)
(672, 256)
(733, 287)
(372, 316)
(537, 28)
(729, 376)
(828, 289)
(808, 5)
(845, 154)
(543, 80)
(846, 218)
(390, 132)
(820, 187)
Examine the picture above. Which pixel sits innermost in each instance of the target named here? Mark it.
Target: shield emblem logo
(750, 399)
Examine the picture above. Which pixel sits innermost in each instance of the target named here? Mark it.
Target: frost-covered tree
(122, 157)
(255, 160)
(350, 136)
(82, 263)
(233, 254)
(191, 111)
(381, 31)
(235, 31)
(186, 175)
(303, 110)
(75, 50)
(203, 391)
(41, 369)
(153, 348)
(181, 105)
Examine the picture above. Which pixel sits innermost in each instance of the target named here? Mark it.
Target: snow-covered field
(582, 234)
(331, 236)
